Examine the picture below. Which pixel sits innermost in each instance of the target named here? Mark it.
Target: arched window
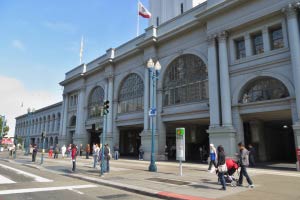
(185, 81)
(95, 102)
(73, 121)
(264, 89)
(131, 94)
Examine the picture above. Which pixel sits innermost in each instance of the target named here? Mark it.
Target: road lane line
(32, 190)
(4, 180)
(36, 178)
(76, 191)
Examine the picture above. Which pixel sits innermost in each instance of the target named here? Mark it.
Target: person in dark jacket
(251, 155)
(87, 151)
(221, 161)
(244, 162)
(34, 152)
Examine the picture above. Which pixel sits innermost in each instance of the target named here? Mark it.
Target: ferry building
(230, 73)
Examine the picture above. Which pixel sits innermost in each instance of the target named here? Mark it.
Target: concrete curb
(137, 189)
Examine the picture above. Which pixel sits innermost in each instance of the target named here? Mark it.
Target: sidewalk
(133, 175)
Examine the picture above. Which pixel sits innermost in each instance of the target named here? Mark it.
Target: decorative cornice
(291, 10)
(223, 36)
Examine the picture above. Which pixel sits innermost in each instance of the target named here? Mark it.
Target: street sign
(180, 147)
(152, 112)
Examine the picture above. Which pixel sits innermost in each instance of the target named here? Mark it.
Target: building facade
(230, 73)
(46, 120)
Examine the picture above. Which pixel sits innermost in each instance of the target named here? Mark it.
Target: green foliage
(5, 128)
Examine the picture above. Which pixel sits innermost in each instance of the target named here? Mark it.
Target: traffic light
(106, 107)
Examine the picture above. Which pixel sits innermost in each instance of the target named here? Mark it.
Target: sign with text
(180, 144)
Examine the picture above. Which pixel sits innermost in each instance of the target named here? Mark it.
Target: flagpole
(138, 19)
(81, 50)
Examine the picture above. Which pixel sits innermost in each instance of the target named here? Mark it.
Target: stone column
(258, 138)
(64, 121)
(266, 39)
(110, 92)
(224, 81)
(238, 125)
(146, 99)
(248, 45)
(80, 136)
(294, 41)
(214, 100)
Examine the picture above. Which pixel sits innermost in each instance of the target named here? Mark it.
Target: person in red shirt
(73, 154)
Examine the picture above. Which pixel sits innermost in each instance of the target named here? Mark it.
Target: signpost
(180, 147)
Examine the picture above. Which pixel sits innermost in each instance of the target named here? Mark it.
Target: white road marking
(78, 192)
(31, 190)
(36, 178)
(4, 180)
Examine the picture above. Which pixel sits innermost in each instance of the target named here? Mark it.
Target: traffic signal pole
(104, 129)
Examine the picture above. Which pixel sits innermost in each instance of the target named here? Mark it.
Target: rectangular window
(181, 8)
(240, 48)
(157, 21)
(258, 44)
(276, 38)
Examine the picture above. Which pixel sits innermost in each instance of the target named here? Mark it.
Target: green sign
(180, 131)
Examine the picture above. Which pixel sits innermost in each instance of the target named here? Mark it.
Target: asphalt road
(19, 182)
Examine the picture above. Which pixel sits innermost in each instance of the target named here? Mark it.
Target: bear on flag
(143, 11)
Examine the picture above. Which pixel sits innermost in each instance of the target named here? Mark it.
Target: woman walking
(107, 157)
(63, 151)
(95, 154)
(73, 154)
(213, 157)
(221, 166)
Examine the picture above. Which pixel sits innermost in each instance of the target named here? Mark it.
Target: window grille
(185, 81)
(95, 102)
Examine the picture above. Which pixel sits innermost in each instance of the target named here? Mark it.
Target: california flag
(143, 11)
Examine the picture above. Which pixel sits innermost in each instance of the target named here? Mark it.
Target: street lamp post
(154, 70)
(43, 150)
(30, 113)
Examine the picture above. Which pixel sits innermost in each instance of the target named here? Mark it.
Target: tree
(5, 128)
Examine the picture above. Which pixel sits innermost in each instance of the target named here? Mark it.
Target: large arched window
(185, 81)
(263, 89)
(95, 102)
(131, 94)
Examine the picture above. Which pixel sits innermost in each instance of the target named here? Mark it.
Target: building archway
(267, 121)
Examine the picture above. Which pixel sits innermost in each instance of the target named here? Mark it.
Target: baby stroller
(232, 169)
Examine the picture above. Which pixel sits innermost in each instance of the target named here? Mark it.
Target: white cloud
(13, 94)
(18, 44)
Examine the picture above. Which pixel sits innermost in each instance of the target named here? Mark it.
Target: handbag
(222, 168)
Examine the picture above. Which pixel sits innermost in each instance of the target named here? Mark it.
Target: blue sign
(152, 112)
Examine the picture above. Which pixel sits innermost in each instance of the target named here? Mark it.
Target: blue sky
(40, 40)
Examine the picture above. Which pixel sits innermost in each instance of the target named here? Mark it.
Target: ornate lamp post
(30, 112)
(154, 69)
(43, 150)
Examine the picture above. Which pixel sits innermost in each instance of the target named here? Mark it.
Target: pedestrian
(73, 154)
(221, 166)
(141, 153)
(34, 152)
(80, 150)
(107, 157)
(50, 152)
(56, 152)
(70, 150)
(213, 158)
(95, 154)
(116, 152)
(87, 151)
(243, 157)
(251, 155)
(201, 153)
(63, 151)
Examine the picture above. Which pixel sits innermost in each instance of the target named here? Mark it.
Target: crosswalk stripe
(36, 178)
(31, 190)
(4, 180)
